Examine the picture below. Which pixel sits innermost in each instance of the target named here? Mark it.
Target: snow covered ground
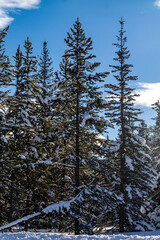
(50, 236)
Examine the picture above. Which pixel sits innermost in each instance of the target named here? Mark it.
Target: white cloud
(157, 3)
(149, 94)
(7, 5)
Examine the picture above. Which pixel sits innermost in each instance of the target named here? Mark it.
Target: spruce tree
(30, 91)
(21, 118)
(5, 73)
(155, 147)
(133, 164)
(5, 81)
(46, 132)
(13, 120)
(81, 104)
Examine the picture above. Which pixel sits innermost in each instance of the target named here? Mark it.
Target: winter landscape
(79, 119)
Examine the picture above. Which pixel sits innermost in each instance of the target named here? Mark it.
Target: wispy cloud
(149, 94)
(157, 3)
(8, 5)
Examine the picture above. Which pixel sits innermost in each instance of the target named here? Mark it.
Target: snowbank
(52, 236)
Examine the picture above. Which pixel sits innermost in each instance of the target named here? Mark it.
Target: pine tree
(5, 73)
(155, 146)
(21, 118)
(14, 147)
(133, 164)
(81, 104)
(46, 133)
(5, 81)
(29, 91)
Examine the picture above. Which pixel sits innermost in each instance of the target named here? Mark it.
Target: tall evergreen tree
(29, 91)
(25, 122)
(46, 132)
(155, 146)
(81, 104)
(5, 81)
(133, 164)
(21, 118)
(5, 73)
(14, 129)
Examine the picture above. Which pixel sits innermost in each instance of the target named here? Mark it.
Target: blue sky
(51, 19)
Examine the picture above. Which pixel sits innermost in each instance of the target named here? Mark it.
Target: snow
(99, 136)
(128, 127)
(55, 86)
(28, 123)
(57, 206)
(129, 163)
(24, 112)
(86, 117)
(138, 193)
(88, 64)
(155, 235)
(140, 139)
(37, 139)
(19, 221)
(113, 147)
(129, 190)
(21, 156)
(4, 139)
(105, 101)
(47, 162)
(155, 216)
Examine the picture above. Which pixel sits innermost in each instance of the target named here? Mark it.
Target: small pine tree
(18, 70)
(46, 71)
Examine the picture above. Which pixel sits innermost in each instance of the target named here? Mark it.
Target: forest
(59, 167)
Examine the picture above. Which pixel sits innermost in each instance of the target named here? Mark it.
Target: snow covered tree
(5, 81)
(14, 129)
(5, 73)
(29, 91)
(81, 104)
(155, 146)
(133, 165)
(21, 120)
(46, 133)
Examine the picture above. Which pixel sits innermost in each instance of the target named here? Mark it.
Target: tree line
(53, 148)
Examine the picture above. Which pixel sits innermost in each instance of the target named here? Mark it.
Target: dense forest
(55, 158)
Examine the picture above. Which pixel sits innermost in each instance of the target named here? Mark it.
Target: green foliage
(53, 148)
